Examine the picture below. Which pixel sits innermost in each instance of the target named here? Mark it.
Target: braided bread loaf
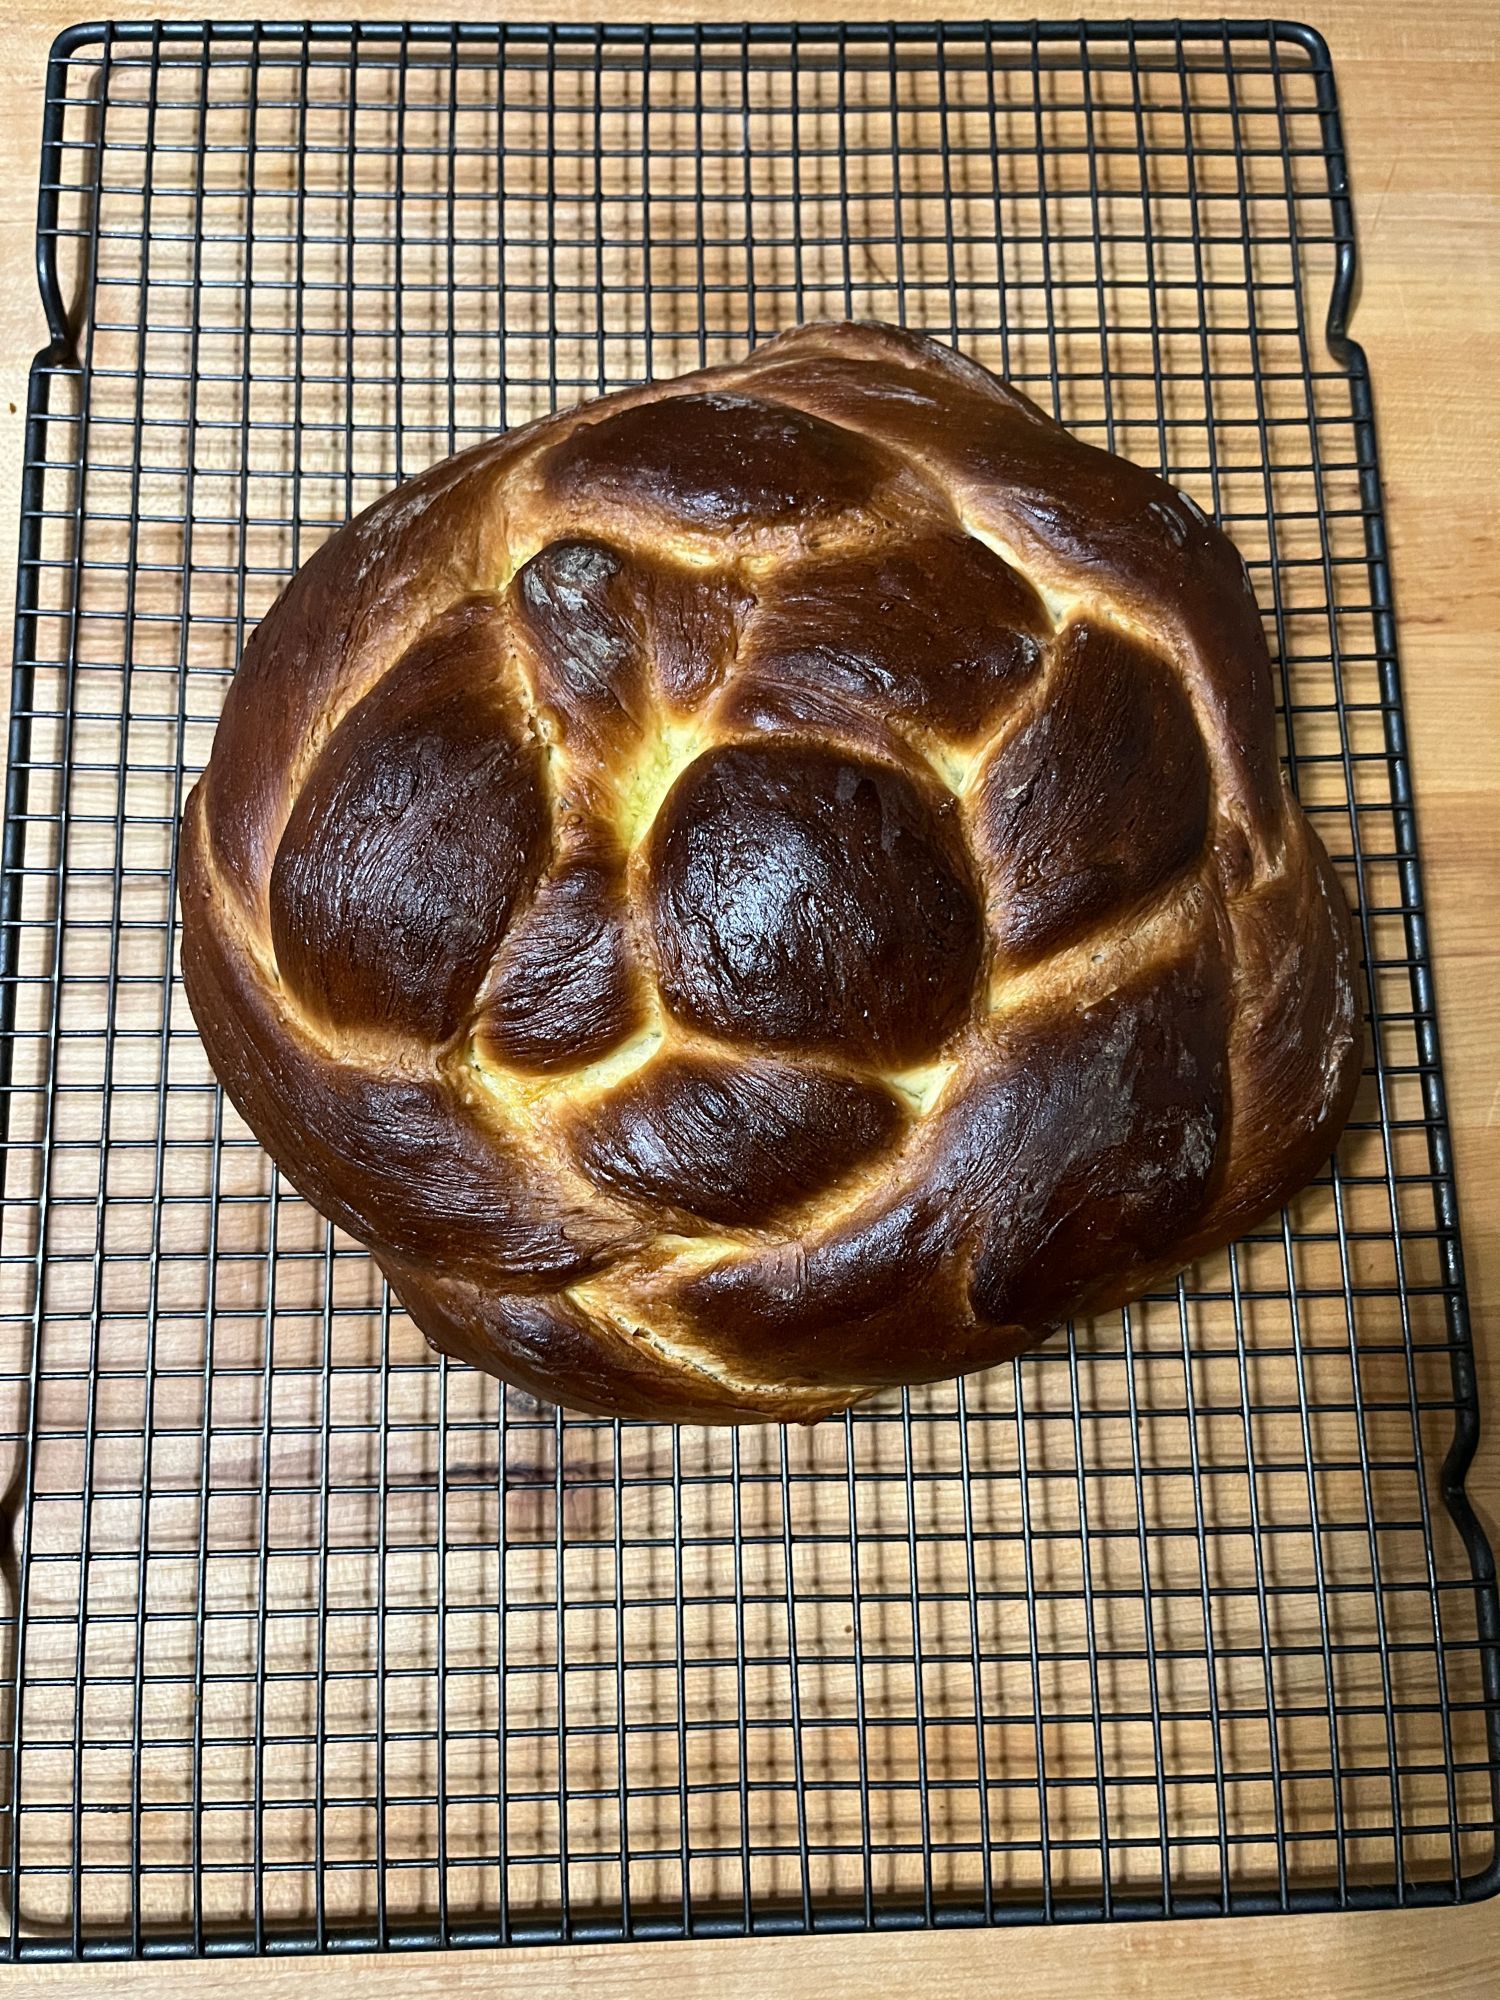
(768, 886)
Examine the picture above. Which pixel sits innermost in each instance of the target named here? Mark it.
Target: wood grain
(1421, 119)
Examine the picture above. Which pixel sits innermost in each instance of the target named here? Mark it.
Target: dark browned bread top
(768, 886)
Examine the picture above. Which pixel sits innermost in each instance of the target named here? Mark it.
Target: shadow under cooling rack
(312, 1640)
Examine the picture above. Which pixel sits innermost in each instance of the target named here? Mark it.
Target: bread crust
(770, 886)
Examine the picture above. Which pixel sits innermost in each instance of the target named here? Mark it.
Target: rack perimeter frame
(61, 353)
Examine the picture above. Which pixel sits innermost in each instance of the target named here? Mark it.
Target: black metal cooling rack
(311, 1640)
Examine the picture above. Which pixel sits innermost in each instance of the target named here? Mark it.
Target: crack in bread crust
(779, 1079)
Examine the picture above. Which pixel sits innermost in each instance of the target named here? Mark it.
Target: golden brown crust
(769, 886)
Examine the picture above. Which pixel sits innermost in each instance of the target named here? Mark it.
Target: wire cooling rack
(312, 1640)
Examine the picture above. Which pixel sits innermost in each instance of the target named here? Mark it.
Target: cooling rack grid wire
(310, 1639)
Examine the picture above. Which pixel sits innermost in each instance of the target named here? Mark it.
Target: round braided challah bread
(769, 886)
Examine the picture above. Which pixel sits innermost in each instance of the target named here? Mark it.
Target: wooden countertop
(1420, 91)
